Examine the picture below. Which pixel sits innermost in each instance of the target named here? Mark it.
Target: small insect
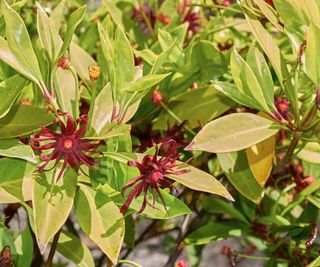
(94, 72)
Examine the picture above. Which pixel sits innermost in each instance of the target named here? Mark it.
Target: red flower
(67, 145)
(189, 16)
(282, 106)
(153, 170)
(270, 2)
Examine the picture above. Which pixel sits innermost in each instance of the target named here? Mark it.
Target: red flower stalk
(153, 170)
(189, 16)
(67, 145)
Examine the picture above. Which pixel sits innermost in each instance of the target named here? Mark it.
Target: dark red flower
(189, 16)
(6, 258)
(282, 105)
(67, 145)
(153, 170)
(270, 2)
(143, 13)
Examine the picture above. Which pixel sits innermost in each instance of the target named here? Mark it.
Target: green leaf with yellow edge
(71, 247)
(21, 120)
(101, 220)
(144, 83)
(247, 82)
(7, 56)
(232, 133)
(273, 52)
(15, 181)
(312, 54)
(12, 148)
(260, 159)
(19, 41)
(236, 167)
(195, 107)
(195, 179)
(310, 152)
(52, 203)
(9, 91)
(75, 18)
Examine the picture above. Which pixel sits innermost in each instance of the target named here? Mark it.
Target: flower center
(67, 144)
(154, 177)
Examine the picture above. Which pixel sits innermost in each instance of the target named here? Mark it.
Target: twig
(53, 249)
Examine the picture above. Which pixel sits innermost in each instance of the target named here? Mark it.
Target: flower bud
(94, 72)
(181, 263)
(163, 19)
(156, 97)
(64, 63)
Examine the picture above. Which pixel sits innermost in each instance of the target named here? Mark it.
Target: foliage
(200, 117)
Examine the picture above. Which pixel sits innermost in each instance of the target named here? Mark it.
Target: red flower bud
(181, 263)
(156, 97)
(64, 63)
(163, 19)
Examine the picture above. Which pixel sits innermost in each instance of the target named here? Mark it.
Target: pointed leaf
(232, 133)
(312, 54)
(236, 167)
(12, 148)
(15, 181)
(22, 120)
(75, 250)
(101, 220)
(19, 41)
(9, 91)
(52, 202)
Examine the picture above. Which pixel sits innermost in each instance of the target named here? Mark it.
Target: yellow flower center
(67, 144)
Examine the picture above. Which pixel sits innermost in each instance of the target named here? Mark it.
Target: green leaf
(9, 91)
(194, 178)
(52, 202)
(232, 133)
(75, 18)
(261, 71)
(123, 59)
(310, 153)
(101, 220)
(144, 83)
(235, 94)
(236, 167)
(274, 54)
(22, 120)
(75, 250)
(219, 206)
(15, 181)
(12, 148)
(65, 87)
(19, 41)
(314, 263)
(197, 107)
(24, 247)
(102, 112)
(7, 56)
(163, 58)
(247, 82)
(213, 231)
(47, 40)
(114, 12)
(312, 54)
(175, 207)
